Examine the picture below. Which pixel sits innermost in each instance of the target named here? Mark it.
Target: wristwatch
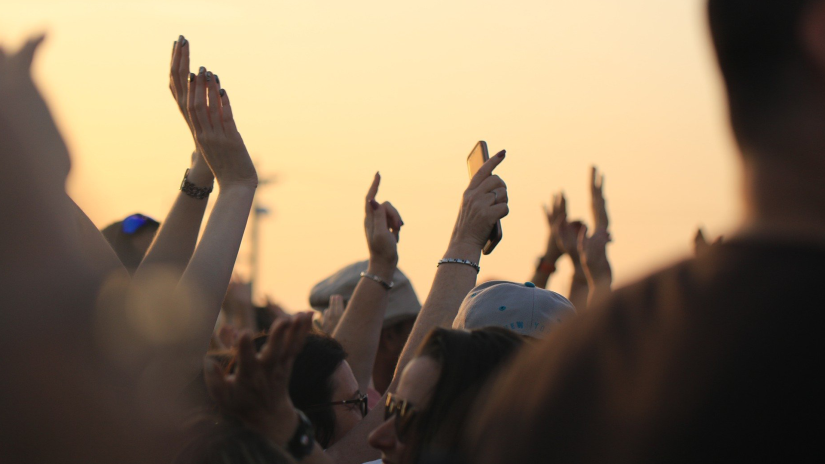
(303, 440)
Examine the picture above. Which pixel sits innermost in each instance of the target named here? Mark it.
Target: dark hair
(757, 44)
(468, 360)
(216, 440)
(311, 383)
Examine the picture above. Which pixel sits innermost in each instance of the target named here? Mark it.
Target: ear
(812, 34)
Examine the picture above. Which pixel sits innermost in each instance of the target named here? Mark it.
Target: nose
(383, 437)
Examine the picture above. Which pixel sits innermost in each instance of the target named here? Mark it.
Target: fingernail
(185, 42)
(217, 79)
(502, 153)
(201, 70)
(374, 204)
(208, 76)
(191, 77)
(180, 38)
(222, 92)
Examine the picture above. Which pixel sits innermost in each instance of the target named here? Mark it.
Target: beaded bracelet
(387, 286)
(193, 190)
(460, 261)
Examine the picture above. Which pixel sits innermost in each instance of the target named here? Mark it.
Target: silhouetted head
(772, 57)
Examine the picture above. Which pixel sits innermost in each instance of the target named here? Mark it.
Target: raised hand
(382, 225)
(593, 254)
(483, 204)
(199, 173)
(216, 134)
(257, 392)
(598, 203)
(25, 114)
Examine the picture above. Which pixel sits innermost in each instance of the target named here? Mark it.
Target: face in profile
(411, 398)
(348, 402)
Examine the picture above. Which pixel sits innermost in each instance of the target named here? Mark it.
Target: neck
(785, 196)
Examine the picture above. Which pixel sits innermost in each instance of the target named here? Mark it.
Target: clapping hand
(216, 133)
(598, 203)
(593, 255)
(257, 392)
(179, 74)
(333, 314)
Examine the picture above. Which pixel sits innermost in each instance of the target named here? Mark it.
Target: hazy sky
(326, 93)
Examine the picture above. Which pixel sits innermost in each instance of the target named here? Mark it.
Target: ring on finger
(495, 196)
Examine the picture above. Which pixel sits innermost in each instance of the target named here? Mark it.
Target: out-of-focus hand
(216, 134)
(555, 217)
(24, 113)
(598, 203)
(382, 225)
(199, 172)
(701, 245)
(333, 314)
(257, 392)
(593, 255)
(484, 203)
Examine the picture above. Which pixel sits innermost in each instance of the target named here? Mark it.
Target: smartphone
(477, 158)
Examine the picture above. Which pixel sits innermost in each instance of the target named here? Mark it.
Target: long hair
(467, 360)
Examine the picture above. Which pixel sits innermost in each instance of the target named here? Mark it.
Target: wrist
(382, 268)
(462, 250)
(200, 175)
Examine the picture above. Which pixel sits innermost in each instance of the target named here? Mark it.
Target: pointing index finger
(486, 170)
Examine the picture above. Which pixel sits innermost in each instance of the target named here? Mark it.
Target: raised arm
(568, 241)
(207, 276)
(593, 249)
(175, 241)
(360, 327)
(547, 263)
(480, 209)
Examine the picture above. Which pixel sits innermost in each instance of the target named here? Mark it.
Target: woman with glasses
(426, 415)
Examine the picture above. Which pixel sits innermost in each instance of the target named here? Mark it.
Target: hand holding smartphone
(477, 158)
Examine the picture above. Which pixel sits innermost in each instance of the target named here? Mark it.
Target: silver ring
(495, 197)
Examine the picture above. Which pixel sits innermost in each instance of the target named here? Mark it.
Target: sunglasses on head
(403, 412)
(134, 223)
(361, 402)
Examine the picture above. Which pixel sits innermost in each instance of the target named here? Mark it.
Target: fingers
(174, 68)
(393, 219)
(499, 210)
(197, 102)
(336, 304)
(214, 104)
(499, 195)
(372, 193)
(486, 170)
(182, 70)
(246, 355)
(273, 349)
(491, 183)
(226, 113)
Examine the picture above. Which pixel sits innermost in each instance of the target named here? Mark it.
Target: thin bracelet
(387, 286)
(193, 190)
(460, 261)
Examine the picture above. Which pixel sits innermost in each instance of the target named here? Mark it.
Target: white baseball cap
(522, 308)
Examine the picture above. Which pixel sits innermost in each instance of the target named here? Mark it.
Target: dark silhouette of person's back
(714, 358)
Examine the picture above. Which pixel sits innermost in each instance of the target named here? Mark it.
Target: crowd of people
(135, 344)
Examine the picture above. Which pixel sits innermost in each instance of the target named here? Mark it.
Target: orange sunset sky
(326, 93)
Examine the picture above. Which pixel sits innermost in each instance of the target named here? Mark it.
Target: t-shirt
(713, 359)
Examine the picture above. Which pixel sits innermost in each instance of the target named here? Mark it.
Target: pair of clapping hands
(571, 237)
(204, 104)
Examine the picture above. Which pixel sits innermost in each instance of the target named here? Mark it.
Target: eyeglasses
(135, 222)
(361, 401)
(403, 411)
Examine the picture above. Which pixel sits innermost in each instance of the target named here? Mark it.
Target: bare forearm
(175, 241)
(579, 288)
(207, 276)
(451, 284)
(359, 330)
